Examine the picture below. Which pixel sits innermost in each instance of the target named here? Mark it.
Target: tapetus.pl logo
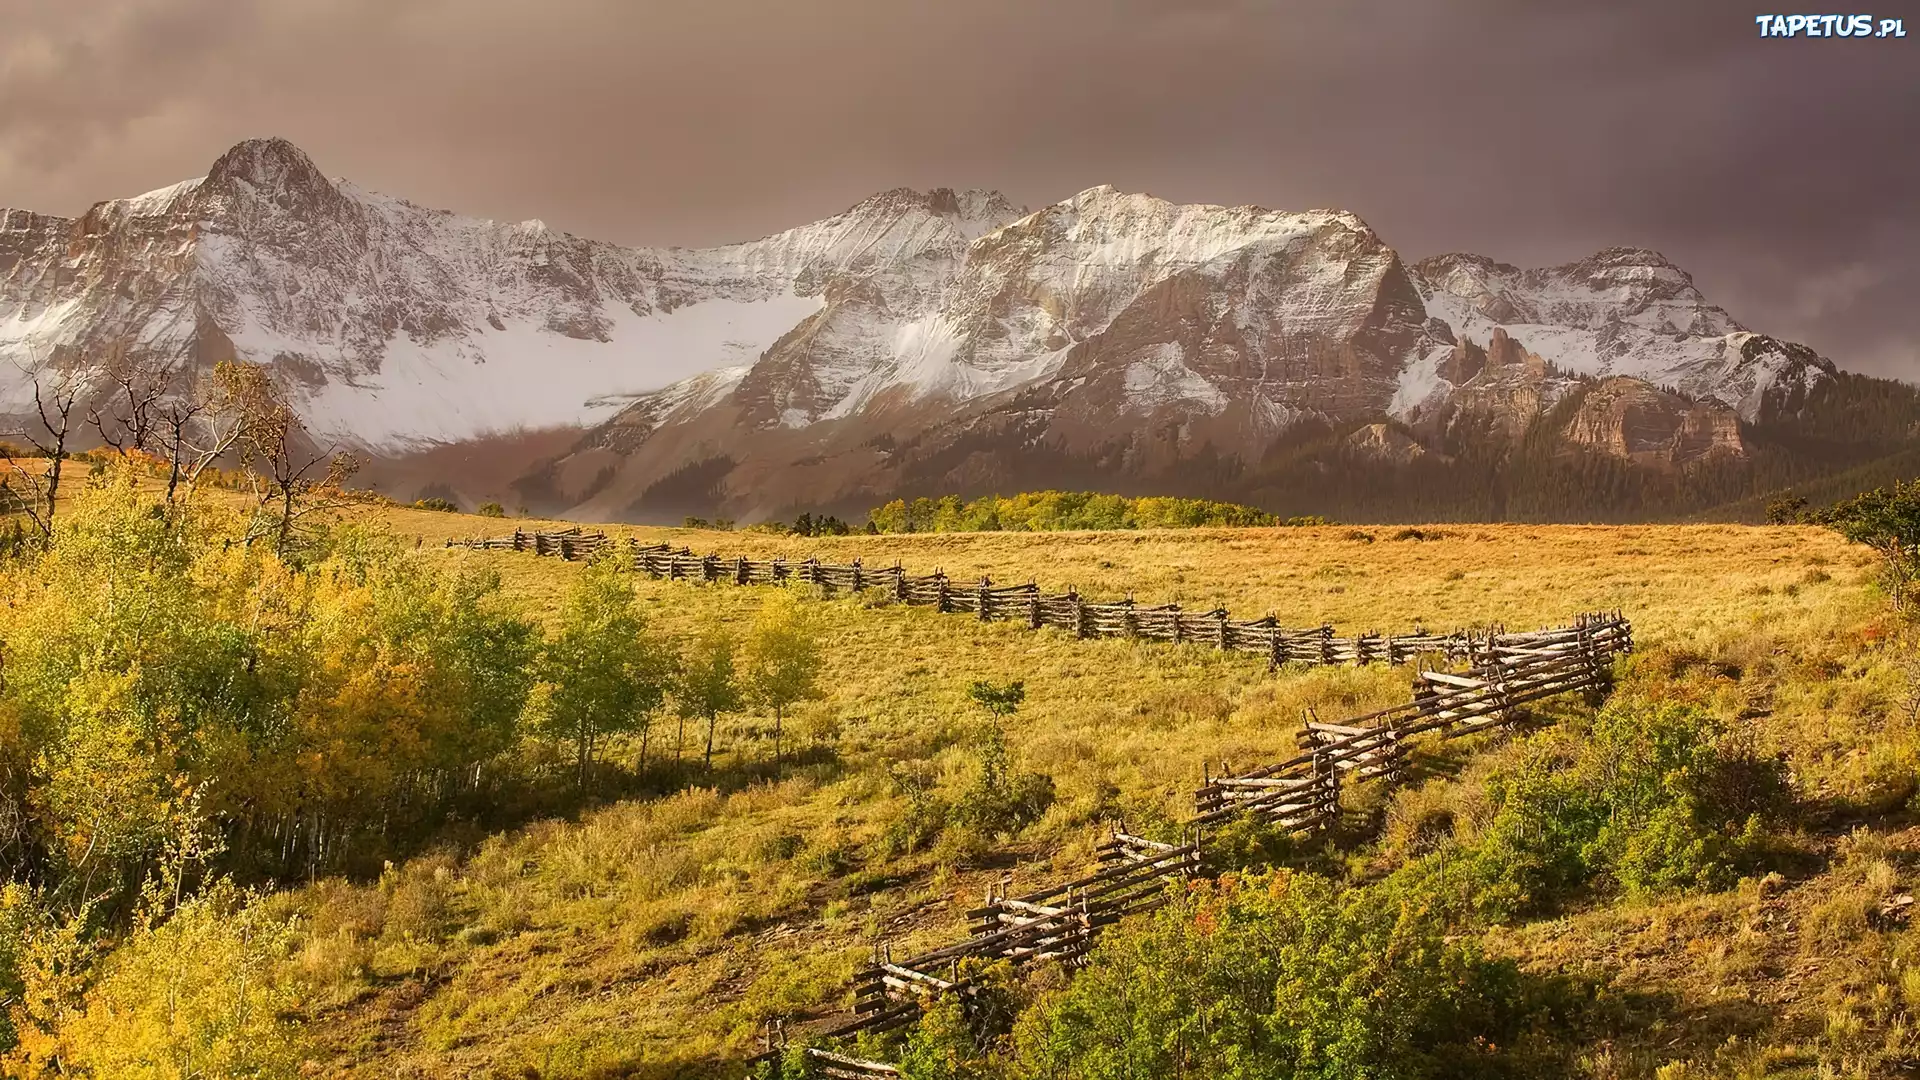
(1814, 26)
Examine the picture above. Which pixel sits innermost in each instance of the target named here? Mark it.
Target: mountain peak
(1635, 256)
(943, 202)
(265, 162)
(1639, 270)
(273, 169)
(1437, 265)
(1616, 259)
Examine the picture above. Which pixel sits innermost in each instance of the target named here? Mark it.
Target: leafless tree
(128, 415)
(195, 430)
(177, 422)
(56, 395)
(150, 407)
(290, 477)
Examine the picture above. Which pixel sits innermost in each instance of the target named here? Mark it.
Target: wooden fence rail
(1300, 794)
(1021, 603)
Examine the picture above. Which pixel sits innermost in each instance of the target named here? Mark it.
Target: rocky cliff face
(1630, 419)
(941, 340)
(1622, 311)
(1112, 326)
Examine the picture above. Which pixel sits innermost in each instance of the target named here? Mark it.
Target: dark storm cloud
(1780, 172)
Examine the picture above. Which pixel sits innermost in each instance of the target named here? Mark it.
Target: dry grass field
(651, 936)
(651, 929)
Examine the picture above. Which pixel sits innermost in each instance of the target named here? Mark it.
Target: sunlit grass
(655, 935)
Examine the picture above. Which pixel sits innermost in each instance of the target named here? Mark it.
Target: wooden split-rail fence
(990, 602)
(773, 1041)
(1300, 794)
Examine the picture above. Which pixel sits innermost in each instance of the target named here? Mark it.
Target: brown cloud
(1779, 172)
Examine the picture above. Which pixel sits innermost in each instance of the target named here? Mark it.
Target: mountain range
(943, 342)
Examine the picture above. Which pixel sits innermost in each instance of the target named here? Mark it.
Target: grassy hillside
(651, 936)
(648, 928)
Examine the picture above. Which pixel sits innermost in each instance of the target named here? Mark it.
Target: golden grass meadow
(653, 936)
(650, 922)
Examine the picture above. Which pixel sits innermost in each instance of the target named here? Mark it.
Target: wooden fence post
(1332, 789)
(1176, 623)
(519, 540)
(986, 597)
(857, 583)
(1276, 650)
(1033, 605)
(1079, 614)
(1220, 628)
(899, 584)
(741, 570)
(1326, 643)
(940, 585)
(1127, 618)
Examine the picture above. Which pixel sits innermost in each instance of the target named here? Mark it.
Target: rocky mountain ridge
(940, 340)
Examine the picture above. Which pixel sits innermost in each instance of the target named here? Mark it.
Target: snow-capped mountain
(391, 326)
(941, 339)
(1622, 311)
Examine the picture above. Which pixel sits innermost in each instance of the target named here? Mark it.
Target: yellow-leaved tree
(195, 992)
(781, 659)
(602, 673)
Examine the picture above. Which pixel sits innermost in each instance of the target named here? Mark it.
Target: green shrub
(1656, 798)
(437, 504)
(941, 1047)
(1687, 799)
(1277, 976)
(492, 510)
(1002, 800)
(921, 821)
(1250, 842)
(1533, 850)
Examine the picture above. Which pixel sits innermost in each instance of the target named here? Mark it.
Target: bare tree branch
(135, 407)
(289, 480)
(56, 393)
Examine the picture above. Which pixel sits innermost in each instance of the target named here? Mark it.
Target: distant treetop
(1047, 511)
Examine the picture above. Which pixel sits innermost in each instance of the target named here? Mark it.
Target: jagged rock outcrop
(1506, 386)
(1385, 442)
(1631, 419)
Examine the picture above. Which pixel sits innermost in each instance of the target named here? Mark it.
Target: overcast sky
(1781, 173)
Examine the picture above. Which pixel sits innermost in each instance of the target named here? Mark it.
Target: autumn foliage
(189, 704)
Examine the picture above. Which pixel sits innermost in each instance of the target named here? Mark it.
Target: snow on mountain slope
(1622, 311)
(1105, 324)
(1042, 295)
(1108, 323)
(391, 326)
